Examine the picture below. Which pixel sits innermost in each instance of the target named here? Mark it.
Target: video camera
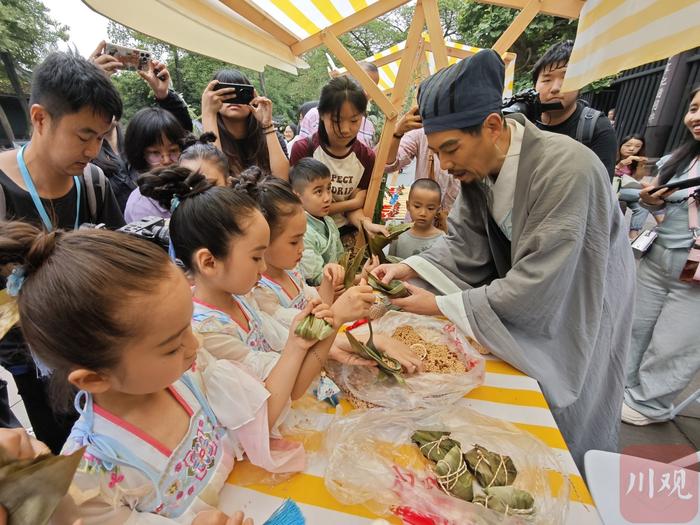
(151, 229)
(529, 104)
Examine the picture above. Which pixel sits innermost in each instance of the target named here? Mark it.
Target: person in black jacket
(121, 169)
(580, 122)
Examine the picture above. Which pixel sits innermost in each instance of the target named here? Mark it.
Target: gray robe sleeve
(554, 313)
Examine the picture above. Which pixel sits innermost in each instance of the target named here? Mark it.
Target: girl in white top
(220, 236)
(162, 423)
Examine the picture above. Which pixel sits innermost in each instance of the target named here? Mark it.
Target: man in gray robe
(536, 264)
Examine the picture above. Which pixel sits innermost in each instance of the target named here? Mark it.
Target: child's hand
(334, 273)
(369, 266)
(348, 357)
(333, 283)
(399, 351)
(294, 340)
(314, 307)
(354, 303)
(374, 229)
(323, 311)
(216, 517)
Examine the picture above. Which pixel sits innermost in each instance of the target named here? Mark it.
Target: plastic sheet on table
(372, 462)
(420, 390)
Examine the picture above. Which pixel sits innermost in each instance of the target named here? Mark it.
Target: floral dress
(224, 338)
(276, 304)
(127, 476)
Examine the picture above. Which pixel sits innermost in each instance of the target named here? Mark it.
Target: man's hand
(158, 78)
(107, 63)
(410, 121)
(389, 272)
(419, 302)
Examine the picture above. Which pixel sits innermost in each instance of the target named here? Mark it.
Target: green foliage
(28, 33)
(483, 24)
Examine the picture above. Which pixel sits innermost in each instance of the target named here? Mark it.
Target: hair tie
(174, 203)
(15, 280)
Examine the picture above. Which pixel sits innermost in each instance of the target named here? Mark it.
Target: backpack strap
(94, 177)
(3, 204)
(586, 125)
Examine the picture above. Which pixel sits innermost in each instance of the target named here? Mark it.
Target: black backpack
(586, 124)
(95, 184)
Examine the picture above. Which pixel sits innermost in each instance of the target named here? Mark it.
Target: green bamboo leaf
(30, 490)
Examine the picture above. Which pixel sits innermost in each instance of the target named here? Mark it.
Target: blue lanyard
(29, 183)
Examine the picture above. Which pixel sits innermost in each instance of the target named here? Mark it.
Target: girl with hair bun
(282, 291)
(162, 435)
(220, 236)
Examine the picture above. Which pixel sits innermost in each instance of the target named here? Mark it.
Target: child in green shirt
(311, 181)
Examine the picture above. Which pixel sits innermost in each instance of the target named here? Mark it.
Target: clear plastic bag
(421, 390)
(372, 462)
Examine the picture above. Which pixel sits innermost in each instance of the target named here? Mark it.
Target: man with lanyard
(576, 120)
(72, 107)
(536, 264)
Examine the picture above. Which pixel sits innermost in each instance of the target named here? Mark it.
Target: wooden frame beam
(358, 73)
(261, 19)
(437, 40)
(561, 8)
(409, 60)
(517, 26)
(348, 24)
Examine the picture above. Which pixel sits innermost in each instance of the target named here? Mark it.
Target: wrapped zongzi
(489, 468)
(507, 500)
(454, 476)
(313, 328)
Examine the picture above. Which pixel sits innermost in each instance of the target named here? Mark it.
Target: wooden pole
(437, 41)
(359, 74)
(517, 26)
(409, 60)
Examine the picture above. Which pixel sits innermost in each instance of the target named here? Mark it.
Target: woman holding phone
(663, 355)
(245, 131)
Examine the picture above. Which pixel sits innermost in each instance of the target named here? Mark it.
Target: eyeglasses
(156, 157)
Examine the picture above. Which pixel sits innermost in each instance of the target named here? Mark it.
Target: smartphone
(133, 59)
(244, 93)
(687, 183)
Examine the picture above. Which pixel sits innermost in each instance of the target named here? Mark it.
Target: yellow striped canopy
(207, 27)
(614, 35)
(388, 62)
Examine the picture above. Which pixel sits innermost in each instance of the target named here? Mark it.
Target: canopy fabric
(207, 27)
(388, 62)
(614, 35)
(304, 18)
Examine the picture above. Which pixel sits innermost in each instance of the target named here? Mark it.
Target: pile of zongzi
(457, 471)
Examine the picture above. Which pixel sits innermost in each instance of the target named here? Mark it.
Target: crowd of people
(144, 355)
